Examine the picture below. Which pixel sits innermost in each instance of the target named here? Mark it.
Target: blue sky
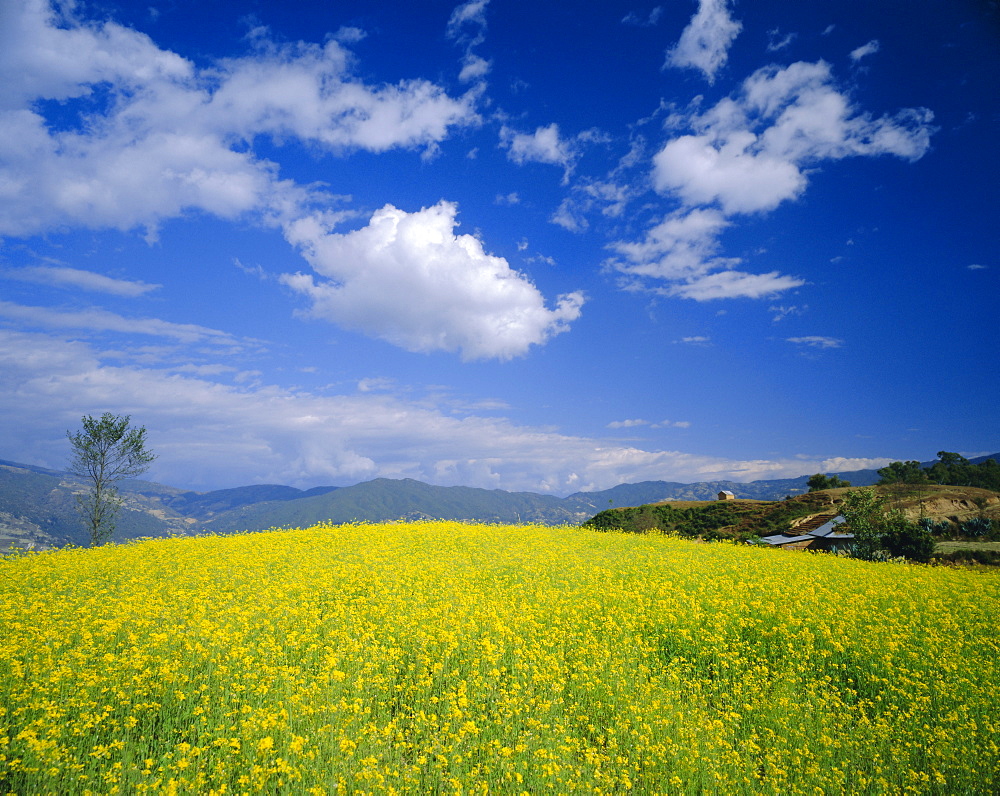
(529, 246)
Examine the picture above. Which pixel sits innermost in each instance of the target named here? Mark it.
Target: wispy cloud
(627, 423)
(780, 313)
(467, 26)
(98, 320)
(64, 277)
(865, 50)
(635, 423)
(643, 20)
(776, 41)
(816, 341)
(256, 432)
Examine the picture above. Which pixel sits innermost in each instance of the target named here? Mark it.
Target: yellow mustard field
(443, 657)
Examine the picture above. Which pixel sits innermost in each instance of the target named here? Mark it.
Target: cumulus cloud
(212, 435)
(155, 136)
(704, 43)
(64, 277)
(747, 154)
(407, 278)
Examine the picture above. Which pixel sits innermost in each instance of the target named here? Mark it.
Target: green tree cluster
(881, 532)
(821, 481)
(105, 451)
(951, 469)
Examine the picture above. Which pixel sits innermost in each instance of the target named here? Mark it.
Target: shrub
(977, 526)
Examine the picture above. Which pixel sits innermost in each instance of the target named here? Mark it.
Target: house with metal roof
(821, 537)
(725, 494)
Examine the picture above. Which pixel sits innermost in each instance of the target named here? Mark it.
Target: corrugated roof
(829, 529)
(780, 538)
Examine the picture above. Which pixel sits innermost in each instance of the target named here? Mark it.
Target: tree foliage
(902, 473)
(821, 481)
(105, 451)
(951, 469)
(881, 532)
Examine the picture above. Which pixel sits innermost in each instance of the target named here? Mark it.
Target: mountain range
(38, 505)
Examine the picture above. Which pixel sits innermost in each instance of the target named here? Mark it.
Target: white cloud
(545, 145)
(682, 245)
(97, 320)
(162, 137)
(734, 284)
(637, 422)
(748, 154)
(704, 43)
(212, 435)
(471, 14)
(697, 339)
(782, 312)
(568, 217)
(627, 423)
(467, 26)
(864, 50)
(407, 278)
(703, 170)
(775, 41)
(816, 341)
(76, 278)
(683, 250)
(640, 21)
(473, 68)
(977, 267)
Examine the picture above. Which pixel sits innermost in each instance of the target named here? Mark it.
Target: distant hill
(38, 505)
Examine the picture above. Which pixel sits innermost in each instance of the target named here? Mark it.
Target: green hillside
(385, 499)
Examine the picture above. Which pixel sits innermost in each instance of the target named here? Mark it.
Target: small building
(725, 494)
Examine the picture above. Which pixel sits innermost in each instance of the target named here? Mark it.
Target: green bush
(977, 526)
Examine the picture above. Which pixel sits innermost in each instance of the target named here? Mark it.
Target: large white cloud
(157, 136)
(748, 154)
(212, 434)
(704, 43)
(409, 279)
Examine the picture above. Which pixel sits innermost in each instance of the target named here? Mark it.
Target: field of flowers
(446, 658)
